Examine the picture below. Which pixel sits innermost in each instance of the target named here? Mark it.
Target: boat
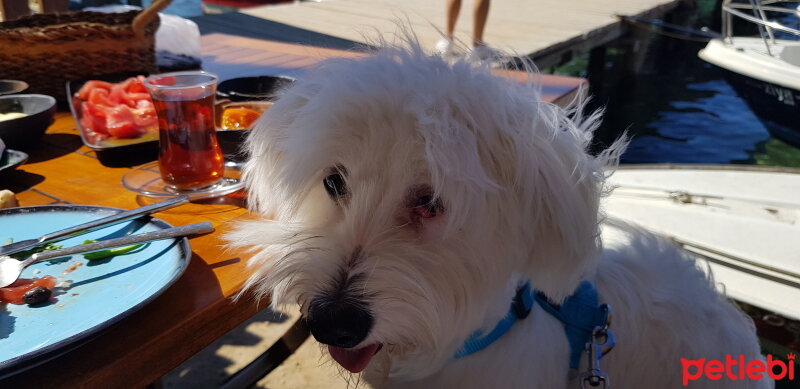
(763, 70)
(741, 223)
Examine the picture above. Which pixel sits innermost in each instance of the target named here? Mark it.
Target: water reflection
(713, 126)
(679, 109)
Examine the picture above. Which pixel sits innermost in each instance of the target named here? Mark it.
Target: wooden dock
(545, 30)
(234, 56)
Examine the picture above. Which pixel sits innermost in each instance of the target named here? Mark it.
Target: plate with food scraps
(90, 293)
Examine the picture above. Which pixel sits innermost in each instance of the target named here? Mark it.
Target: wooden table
(197, 309)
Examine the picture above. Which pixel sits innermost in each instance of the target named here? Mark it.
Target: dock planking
(253, 57)
(545, 30)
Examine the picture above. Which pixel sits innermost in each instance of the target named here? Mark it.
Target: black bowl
(253, 88)
(9, 159)
(231, 141)
(25, 133)
(8, 87)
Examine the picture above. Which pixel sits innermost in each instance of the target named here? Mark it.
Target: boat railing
(757, 15)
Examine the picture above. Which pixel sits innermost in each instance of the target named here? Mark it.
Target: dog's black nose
(339, 324)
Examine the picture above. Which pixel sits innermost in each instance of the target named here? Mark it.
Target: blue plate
(101, 292)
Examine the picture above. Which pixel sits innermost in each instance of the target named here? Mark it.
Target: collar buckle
(523, 302)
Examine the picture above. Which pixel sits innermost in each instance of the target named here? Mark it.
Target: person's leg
(480, 13)
(453, 8)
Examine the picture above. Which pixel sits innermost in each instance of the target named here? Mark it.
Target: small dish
(253, 88)
(24, 132)
(231, 133)
(9, 87)
(123, 145)
(11, 159)
(238, 115)
(146, 180)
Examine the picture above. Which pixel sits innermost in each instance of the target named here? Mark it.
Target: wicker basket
(48, 50)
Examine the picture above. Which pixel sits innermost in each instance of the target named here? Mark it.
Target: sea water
(677, 108)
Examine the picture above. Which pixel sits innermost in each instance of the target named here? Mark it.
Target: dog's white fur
(520, 196)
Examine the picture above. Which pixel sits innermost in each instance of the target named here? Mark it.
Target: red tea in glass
(189, 156)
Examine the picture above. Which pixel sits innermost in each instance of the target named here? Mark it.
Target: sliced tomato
(91, 135)
(87, 122)
(94, 117)
(121, 110)
(124, 84)
(144, 121)
(124, 130)
(144, 111)
(144, 116)
(96, 109)
(146, 104)
(120, 122)
(164, 81)
(136, 85)
(83, 93)
(99, 96)
(15, 292)
(99, 126)
(119, 96)
(139, 96)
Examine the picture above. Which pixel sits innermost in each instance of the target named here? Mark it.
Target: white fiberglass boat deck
(743, 221)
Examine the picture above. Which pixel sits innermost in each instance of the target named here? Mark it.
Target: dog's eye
(427, 207)
(335, 186)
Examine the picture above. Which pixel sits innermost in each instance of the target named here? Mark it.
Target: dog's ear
(280, 170)
(557, 186)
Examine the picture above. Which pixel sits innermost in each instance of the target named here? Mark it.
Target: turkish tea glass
(189, 156)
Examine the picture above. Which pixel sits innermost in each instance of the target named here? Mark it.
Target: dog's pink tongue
(354, 361)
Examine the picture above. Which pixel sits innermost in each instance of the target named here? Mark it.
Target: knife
(94, 225)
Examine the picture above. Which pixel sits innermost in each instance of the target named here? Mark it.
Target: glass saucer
(146, 180)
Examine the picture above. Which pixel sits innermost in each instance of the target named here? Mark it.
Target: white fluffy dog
(406, 200)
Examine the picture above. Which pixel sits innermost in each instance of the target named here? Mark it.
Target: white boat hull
(769, 82)
(743, 223)
(749, 57)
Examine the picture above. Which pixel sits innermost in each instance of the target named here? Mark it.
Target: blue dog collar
(580, 313)
(520, 308)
